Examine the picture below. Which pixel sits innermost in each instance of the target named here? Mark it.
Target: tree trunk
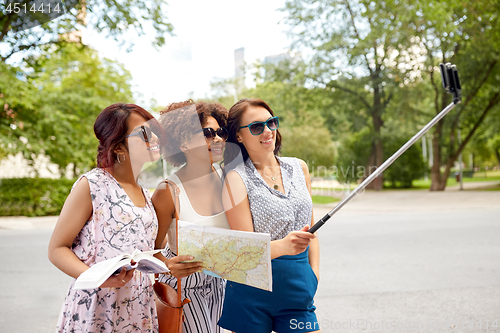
(497, 153)
(437, 182)
(377, 151)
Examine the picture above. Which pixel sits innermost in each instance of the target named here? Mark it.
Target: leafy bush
(33, 196)
(354, 152)
(407, 167)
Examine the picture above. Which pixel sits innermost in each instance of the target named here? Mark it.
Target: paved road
(396, 261)
(411, 261)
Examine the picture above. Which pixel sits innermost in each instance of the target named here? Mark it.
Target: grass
(486, 174)
(422, 184)
(323, 199)
(342, 187)
(493, 189)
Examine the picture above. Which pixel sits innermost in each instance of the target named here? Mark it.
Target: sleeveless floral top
(117, 226)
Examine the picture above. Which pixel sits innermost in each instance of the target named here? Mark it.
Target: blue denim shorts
(288, 308)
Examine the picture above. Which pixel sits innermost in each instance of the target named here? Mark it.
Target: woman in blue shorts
(270, 194)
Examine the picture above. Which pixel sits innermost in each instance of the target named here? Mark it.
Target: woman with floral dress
(107, 214)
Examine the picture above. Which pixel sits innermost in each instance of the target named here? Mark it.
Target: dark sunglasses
(257, 127)
(210, 133)
(146, 133)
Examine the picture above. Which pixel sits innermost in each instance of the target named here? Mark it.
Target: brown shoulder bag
(168, 301)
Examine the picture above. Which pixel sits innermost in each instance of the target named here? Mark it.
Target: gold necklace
(273, 178)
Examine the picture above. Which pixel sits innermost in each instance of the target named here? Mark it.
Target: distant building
(239, 72)
(239, 63)
(289, 59)
(277, 58)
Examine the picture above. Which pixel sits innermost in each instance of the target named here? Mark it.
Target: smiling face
(197, 146)
(256, 144)
(139, 150)
(215, 146)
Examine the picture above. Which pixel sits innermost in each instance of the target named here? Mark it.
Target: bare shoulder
(234, 191)
(233, 178)
(80, 195)
(162, 194)
(76, 211)
(304, 166)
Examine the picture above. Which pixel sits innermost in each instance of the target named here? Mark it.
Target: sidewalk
(367, 201)
(418, 201)
(27, 223)
(474, 185)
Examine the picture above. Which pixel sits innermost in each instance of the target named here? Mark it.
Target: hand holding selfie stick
(451, 83)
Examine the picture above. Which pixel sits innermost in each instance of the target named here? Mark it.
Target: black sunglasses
(146, 133)
(210, 133)
(257, 127)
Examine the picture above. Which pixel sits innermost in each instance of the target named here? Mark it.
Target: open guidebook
(100, 272)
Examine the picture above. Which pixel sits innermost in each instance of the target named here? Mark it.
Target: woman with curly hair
(108, 214)
(197, 149)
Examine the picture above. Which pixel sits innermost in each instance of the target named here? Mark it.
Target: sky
(207, 33)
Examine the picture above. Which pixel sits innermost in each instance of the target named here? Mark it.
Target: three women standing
(108, 213)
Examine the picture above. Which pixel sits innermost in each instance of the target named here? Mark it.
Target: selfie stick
(451, 83)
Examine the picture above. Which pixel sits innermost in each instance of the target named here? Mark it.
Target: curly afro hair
(179, 123)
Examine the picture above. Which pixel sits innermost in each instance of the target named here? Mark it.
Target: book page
(96, 275)
(100, 272)
(149, 266)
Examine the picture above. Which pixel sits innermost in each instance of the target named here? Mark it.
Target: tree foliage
(55, 106)
(468, 35)
(114, 18)
(361, 48)
(380, 60)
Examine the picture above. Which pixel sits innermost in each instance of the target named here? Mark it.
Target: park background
(351, 81)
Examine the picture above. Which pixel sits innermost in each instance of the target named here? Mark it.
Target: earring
(118, 158)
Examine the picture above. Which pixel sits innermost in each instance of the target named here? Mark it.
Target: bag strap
(176, 191)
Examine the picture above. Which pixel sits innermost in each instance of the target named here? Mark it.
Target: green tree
(302, 125)
(61, 99)
(372, 50)
(16, 101)
(114, 18)
(485, 145)
(360, 48)
(468, 35)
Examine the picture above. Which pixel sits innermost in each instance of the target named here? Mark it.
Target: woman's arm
(314, 247)
(239, 217)
(165, 211)
(77, 210)
(164, 207)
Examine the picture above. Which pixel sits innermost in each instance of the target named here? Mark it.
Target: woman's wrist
(277, 248)
(169, 273)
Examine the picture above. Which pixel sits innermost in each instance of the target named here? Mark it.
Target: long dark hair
(233, 125)
(111, 127)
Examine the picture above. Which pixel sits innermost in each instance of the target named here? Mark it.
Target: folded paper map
(239, 256)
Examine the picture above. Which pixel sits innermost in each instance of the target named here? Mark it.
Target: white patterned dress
(117, 226)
